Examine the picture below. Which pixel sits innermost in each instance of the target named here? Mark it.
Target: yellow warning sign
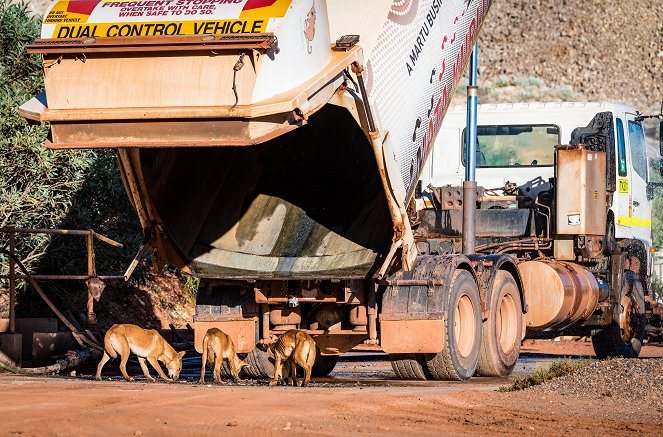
(623, 185)
(160, 29)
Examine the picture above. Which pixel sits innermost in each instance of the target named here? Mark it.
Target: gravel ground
(632, 380)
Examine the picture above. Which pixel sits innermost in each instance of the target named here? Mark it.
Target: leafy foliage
(36, 184)
(41, 188)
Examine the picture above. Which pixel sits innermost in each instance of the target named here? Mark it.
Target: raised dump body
(250, 148)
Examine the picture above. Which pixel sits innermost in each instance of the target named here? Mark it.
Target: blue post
(470, 184)
(471, 131)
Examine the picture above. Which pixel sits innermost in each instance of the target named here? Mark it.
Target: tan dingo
(147, 344)
(293, 347)
(217, 346)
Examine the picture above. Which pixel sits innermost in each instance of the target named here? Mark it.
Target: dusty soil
(118, 408)
(161, 299)
(362, 397)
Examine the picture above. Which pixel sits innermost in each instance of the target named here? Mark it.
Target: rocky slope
(602, 49)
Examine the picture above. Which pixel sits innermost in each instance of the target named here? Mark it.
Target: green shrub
(540, 376)
(41, 188)
(36, 184)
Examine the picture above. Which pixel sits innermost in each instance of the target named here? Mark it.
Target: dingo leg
(153, 361)
(103, 361)
(204, 361)
(278, 364)
(218, 361)
(146, 371)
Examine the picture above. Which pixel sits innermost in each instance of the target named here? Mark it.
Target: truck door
(641, 206)
(623, 194)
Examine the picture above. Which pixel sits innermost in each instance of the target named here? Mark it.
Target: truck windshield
(515, 145)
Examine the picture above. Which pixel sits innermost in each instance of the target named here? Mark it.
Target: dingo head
(175, 366)
(240, 363)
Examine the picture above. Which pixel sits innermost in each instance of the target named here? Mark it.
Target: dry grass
(539, 376)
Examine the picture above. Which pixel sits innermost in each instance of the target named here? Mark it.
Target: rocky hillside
(601, 49)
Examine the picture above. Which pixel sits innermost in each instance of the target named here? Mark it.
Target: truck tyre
(462, 337)
(502, 331)
(624, 336)
(408, 366)
(324, 364)
(260, 364)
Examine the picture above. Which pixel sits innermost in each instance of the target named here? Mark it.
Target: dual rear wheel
(490, 348)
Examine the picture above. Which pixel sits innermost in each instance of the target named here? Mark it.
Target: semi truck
(533, 187)
(272, 148)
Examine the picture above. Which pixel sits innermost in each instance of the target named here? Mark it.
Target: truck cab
(515, 155)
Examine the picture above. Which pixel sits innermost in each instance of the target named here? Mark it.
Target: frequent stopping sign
(95, 18)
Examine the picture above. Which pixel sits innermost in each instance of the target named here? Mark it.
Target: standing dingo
(217, 346)
(147, 344)
(294, 347)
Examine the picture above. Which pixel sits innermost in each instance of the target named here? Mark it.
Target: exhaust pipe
(470, 184)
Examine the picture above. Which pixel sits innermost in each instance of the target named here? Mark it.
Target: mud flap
(414, 305)
(230, 309)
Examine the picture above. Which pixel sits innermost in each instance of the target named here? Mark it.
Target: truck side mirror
(660, 137)
(660, 167)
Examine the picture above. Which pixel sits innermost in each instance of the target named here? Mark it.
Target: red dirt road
(74, 405)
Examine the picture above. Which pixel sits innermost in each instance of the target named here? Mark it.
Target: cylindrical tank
(557, 293)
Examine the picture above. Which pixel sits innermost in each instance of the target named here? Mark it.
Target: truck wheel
(501, 332)
(458, 360)
(623, 338)
(324, 364)
(408, 366)
(260, 364)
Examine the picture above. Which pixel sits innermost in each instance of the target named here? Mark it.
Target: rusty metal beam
(80, 337)
(91, 271)
(134, 191)
(100, 237)
(65, 277)
(264, 309)
(262, 41)
(12, 284)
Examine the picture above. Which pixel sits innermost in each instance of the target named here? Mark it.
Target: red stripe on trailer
(82, 7)
(255, 4)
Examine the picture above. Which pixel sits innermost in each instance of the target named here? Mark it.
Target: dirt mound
(602, 49)
(631, 380)
(158, 301)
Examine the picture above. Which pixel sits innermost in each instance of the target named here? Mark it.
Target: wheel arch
(491, 264)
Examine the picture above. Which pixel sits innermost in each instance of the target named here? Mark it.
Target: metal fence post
(12, 283)
(92, 272)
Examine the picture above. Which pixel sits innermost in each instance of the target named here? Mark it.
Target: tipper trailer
(269, 154)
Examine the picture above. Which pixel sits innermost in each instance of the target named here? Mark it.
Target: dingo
(147, 344)
(293, 347)
(217, 346)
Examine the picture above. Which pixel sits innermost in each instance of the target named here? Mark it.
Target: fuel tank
(557, 293)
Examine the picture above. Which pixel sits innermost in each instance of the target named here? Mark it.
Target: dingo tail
(310, 357)
(209, 351)
(108, 346)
